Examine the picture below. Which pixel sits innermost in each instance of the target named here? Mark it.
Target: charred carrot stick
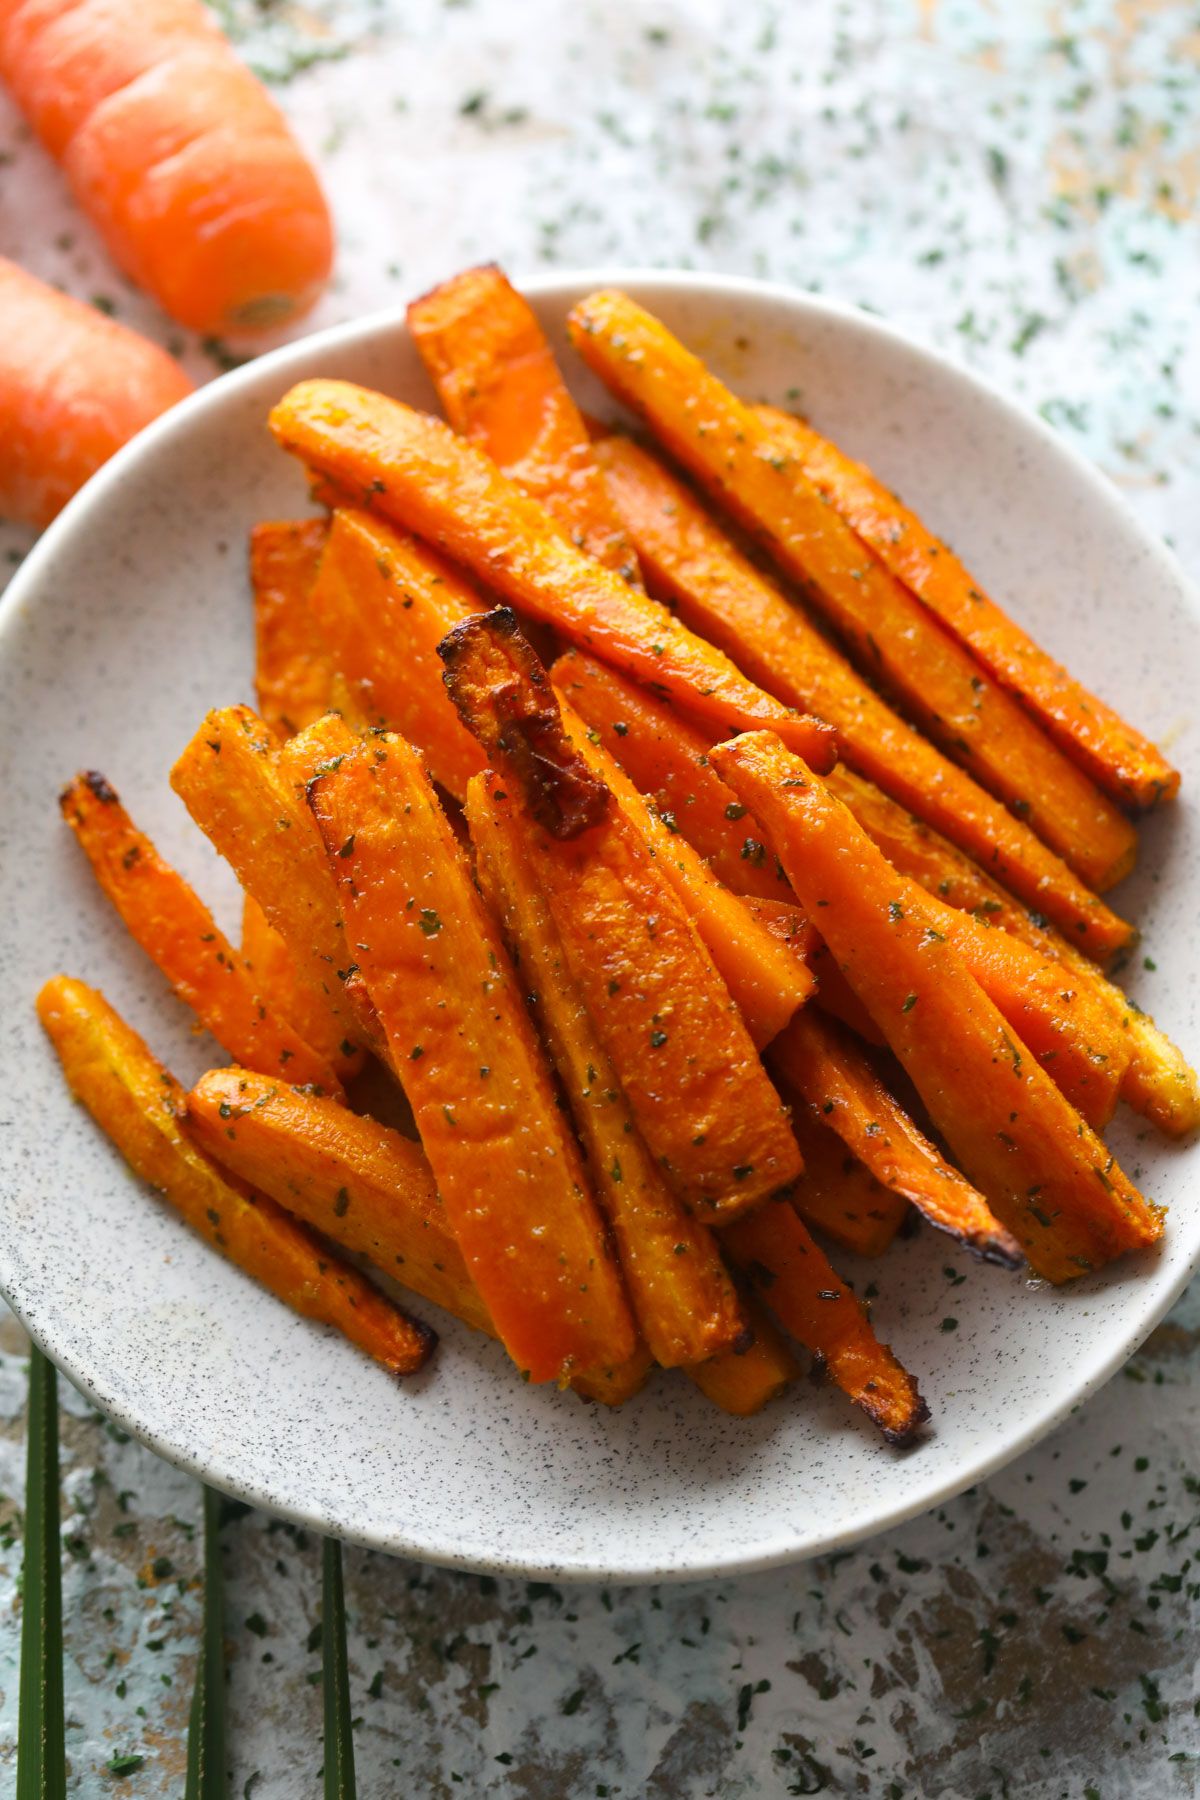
(1156, 1080)
(384, 602)
(1045, 1174)
(139, 1105)
(838, 1195)
(358, 1182)
(682, 1296)
(177, 155)
(1109, 750)
(415, 471)
(796, 1279)
(500, 387)
(74, 387)
(742, 1382)
(461, 1040)
(292, 674)
(683, 1055)
(720, 593)
(829, 1074)
(228, 779)
(176, 930)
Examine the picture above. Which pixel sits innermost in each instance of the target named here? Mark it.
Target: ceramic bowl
(132, 617)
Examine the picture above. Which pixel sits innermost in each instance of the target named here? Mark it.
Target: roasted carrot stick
(720, 593)
(292, 673)
(1118, 758)
(838, 1195)
(360, 1183)
(829, 1074)
(1082, 1043)
(416, 472)
(1045, 1173)
(798, 1282)
(74, 387)
(1157, 1080)
(681, 1050)
(742, 1382)
(177, 155)
(384, 602)
(138, 1104)
(277, 977)
(499, 386)
(681, 1293)
(178, 933)
(228, 779)
(461, 1040)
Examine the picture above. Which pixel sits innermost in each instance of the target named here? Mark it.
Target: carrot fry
(508, 1170)
(838, 1195)
(1118, 758)
(798, 1282)
(788, 925)
(292, 675)
(722, 595)
(830, 1075)
(416, 472)
(228, 780)
(679, 1045)
(357, 1182)
(384, 602)
(500, 387)
(177, 931)
(682, 1297)
(742, 1382)
(1046, 1175)
(277, 977)
(1157, 1080)
(176, 153)
(74, 387)
(138, 1104)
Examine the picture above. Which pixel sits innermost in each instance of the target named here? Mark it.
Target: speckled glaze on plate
(132, 616)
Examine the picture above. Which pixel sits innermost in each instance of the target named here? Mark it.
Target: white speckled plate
(132, 617)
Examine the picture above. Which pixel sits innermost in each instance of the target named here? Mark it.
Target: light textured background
(1015, 182)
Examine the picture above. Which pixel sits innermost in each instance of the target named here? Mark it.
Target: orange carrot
(838, 1195)
(500, 386)
(416, 472)
(228, 779)
(292, 675)
(1123, 762)
(723, 595)
(798, 1282)
(682, 1297)
(384, 602)
(679, 1045)
(1045, 1173)
(139, 1105)
(828, 1072)
(506, 1166)
(742, 1382)
(177, 155)
(177, 931)
(74, 387)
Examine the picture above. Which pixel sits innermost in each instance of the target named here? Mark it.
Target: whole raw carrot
(74, 387)
(140, 1106)
(1047, 1176)
(1116, 756)
(415, 471)
(500, 386)
(177, 154)
(722, 595)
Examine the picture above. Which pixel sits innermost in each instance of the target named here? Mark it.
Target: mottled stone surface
(1017, 185)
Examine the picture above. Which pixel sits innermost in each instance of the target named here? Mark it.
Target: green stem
(41, 1740)
(206, 1778)
(339, 1741)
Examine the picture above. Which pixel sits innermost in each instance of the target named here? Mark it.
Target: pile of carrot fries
(716, 868)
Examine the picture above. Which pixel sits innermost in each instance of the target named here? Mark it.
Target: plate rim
(774, 1553)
